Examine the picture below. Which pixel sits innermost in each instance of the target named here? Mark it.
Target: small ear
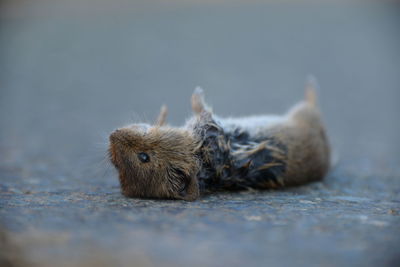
(191, 191)
(162, 116)
(198, 103)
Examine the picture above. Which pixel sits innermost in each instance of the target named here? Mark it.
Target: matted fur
(210, 153)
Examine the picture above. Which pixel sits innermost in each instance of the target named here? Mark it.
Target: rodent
(210, 153)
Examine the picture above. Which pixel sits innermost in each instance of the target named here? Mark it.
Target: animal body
(211, 154)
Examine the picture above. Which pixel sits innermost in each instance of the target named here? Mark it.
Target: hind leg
(198, 103)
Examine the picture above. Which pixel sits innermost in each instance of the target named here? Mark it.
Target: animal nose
(114, 135)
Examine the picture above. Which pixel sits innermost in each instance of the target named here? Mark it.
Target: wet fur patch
(234, 161)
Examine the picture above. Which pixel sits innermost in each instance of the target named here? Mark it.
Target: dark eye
(143, 157)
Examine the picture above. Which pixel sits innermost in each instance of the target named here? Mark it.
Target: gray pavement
(69, 76)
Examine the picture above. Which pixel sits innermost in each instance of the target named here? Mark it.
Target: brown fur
(308, 157)
(177, 154)
(171, 172)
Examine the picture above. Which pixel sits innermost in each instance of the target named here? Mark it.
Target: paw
(162, 117)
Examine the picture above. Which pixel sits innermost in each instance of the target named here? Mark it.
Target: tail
(310, 91)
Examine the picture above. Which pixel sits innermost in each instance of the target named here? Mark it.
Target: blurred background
(73, 70)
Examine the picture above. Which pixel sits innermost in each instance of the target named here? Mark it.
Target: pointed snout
(114, 136)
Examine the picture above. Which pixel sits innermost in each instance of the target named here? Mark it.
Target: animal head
(155, 161)
(158, 161)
